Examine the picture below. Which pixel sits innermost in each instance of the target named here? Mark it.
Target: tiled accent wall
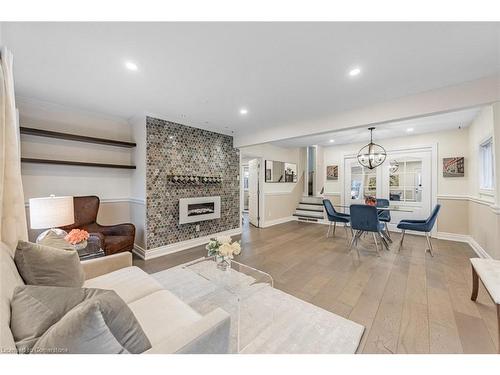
(173, 148)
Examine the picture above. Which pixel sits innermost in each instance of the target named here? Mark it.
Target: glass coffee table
(238, 288)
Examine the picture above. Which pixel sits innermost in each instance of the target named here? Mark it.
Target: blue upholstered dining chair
(364, 218)
(420, 226)
(335, 217)
(384, 215)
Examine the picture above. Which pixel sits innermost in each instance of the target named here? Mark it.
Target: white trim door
(405, 179)
(407, 183)
(254, 191)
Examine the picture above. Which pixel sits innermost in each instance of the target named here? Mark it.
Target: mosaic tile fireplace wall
(175, 149)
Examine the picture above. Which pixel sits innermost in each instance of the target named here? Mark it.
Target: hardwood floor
(408, 302)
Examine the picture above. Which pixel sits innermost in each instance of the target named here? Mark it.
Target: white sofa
(170, 324)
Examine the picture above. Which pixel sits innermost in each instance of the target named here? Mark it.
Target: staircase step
(307, 218)
(318, 215)
(311, 204)
(312, 200)
(309, 208)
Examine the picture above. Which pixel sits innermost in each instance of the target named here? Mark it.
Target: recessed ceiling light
(243, 111)
(354, 72)
(131, 66)
(332, 140)
(409, 130)
(170, 137)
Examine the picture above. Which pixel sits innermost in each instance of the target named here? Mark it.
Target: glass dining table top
(390, 208)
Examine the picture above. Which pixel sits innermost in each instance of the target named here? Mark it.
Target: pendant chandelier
(372, 155)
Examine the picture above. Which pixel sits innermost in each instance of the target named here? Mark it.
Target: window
(363, 182)
(405, 180)
(486, 167)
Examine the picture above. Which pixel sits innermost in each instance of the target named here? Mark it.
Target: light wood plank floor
(408, 302)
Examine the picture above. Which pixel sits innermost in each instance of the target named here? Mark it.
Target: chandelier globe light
(372, 155)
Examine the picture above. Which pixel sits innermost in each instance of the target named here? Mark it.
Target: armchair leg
(475, 284)
(401, 240)
(334, 227)
(429, 243)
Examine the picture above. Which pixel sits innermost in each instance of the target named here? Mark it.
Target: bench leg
(498, 322)
(475, 284)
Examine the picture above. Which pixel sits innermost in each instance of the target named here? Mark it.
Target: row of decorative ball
(194, 179)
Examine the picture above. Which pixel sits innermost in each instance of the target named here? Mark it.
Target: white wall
(279, 199)
(450, 143)
(480, 130)
(113, 186)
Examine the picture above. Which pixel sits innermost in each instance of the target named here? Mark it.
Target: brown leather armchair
(114, 238)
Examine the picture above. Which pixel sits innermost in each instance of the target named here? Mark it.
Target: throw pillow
(34, 309)
(103, 324)
(44, 265)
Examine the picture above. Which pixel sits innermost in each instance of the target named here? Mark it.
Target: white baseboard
(281, 220)
(478, 249)
(179, 246)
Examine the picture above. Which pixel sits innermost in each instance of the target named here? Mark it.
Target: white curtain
(12, 212)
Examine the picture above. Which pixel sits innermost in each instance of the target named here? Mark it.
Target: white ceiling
(422, 125)
(201, 74)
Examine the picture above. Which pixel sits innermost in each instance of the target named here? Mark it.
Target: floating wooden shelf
(75, 137)
(193, 180)
(78, 163)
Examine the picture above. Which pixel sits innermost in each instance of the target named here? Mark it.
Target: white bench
(488, 270)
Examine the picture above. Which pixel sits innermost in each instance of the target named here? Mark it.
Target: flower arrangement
(224, 247)
(77, 236)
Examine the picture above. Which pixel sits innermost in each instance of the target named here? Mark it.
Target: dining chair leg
(401, 240)
(376, 243)
(388, 235)
(429, 243)
(346, 233)
(351, 245)
(383, 240)
(352, 232)
(334, 227)
(329, 228)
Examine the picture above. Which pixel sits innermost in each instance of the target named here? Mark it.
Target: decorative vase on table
(77, 238)
(223, 263)
(223, 249)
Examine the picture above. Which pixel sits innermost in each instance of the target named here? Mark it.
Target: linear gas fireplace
(192, 210)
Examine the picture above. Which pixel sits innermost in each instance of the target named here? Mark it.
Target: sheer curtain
(12, 212)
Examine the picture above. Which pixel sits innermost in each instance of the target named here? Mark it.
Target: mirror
(278, 171)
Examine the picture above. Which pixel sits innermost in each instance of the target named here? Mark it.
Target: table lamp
(51, 212)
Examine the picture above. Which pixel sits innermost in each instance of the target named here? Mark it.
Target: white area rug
(271, 321)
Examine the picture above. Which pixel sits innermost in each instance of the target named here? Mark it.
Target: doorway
(311, 171)
(254, 193)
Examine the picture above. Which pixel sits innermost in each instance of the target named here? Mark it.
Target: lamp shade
(51, 212)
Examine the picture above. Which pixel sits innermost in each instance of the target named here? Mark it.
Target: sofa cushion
(102, 324)
(43, 265)
(130, 283)
(162, 313)
(9, 280)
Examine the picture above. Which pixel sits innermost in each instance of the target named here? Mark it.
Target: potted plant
(223, 249)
